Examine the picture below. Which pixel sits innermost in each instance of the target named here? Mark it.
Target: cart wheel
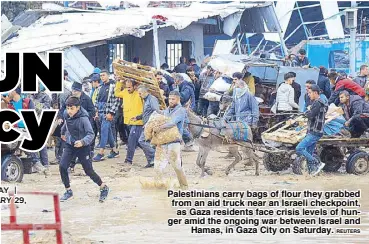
(353, 154)
(332, 157)
(276, 162)
(358, 164)
(12, 169)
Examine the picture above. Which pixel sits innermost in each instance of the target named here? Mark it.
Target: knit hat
(77, 86)
(95, 77)
(97, 71)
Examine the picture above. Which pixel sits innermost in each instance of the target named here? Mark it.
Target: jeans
(41, 156)
(134, 136)
(148, 150)
(202, 108)
(83, 153)
(106, 132)
(306, 148)
(213, 108)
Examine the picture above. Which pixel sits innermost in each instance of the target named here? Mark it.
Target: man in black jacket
(316, 118)
(86, 104)
(182, 66)
(356, 112)
(323, 82)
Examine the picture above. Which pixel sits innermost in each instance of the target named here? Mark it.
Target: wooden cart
(141, 74)
(334, 152)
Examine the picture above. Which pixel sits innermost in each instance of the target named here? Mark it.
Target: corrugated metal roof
(27, 18)
(77, 64)
(77, 28)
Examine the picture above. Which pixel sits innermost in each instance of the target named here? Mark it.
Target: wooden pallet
(287, 133)
(141, 74)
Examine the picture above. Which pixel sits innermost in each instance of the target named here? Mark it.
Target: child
(78, 134)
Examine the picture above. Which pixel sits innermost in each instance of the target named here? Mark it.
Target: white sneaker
(318, 169)
(39, 168)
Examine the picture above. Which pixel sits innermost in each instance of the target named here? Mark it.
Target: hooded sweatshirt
(78, 128)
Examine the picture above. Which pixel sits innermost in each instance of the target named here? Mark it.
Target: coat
(316, 117)
(86, 104)
(113, 103)
(244, 108)
(78, 128)
(345, 85)
(285, 100)
(178, 117)
(324, 85)
(187, 91)
(132, 104)
(355, 108)
(181, 68)
(151, 104)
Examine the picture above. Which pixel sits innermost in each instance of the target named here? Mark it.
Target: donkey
(214, 139)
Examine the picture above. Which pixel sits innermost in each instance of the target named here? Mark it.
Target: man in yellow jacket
(132, 107)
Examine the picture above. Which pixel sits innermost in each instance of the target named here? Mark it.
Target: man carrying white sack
(171, 152)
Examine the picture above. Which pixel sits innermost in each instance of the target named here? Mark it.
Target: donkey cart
(334, 152)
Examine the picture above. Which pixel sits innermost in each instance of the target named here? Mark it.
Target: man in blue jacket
(78, 134)
(244, 106)
(171, 152)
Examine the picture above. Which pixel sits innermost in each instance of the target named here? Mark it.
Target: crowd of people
(95, 112)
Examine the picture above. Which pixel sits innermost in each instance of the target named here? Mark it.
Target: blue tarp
(333, 127)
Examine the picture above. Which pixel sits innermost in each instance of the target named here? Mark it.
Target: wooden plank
(142, 75)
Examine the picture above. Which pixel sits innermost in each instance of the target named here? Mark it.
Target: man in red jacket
(343, 84)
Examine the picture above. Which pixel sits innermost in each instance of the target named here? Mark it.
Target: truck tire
(12, 169)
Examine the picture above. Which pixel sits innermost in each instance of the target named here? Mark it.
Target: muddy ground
(135, 214)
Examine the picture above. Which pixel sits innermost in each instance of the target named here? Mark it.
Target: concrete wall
(193, 33)
(143, 47)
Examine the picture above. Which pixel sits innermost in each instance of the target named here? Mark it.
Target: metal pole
(156, 44)
(239, 44)
(257, 47)
(111, 54)
(248, 45)
(279, 29)
(302, 21)
(353, 45)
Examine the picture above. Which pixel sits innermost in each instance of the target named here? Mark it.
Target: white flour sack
(220, 85)
(212, 96)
